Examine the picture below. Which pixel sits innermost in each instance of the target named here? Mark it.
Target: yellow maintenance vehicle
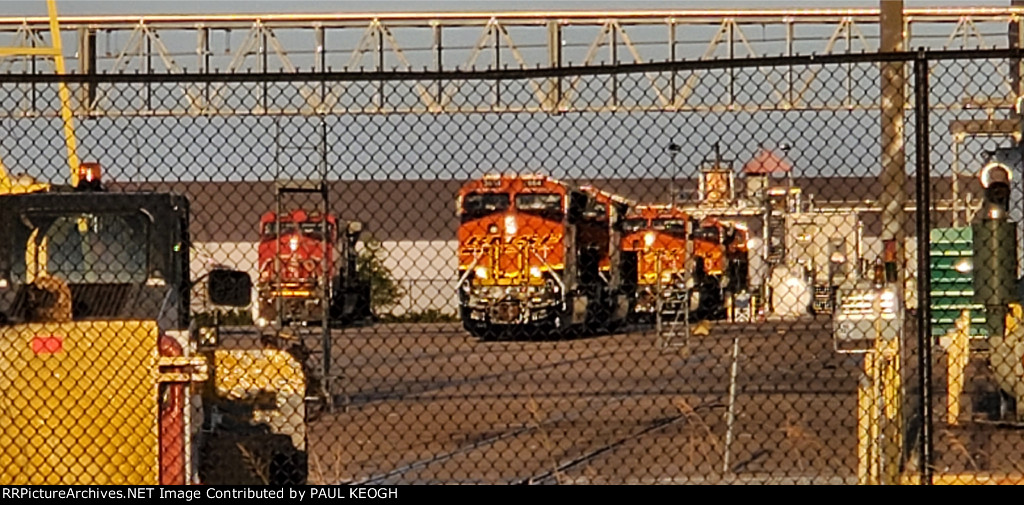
(18, 184)
(105, 378)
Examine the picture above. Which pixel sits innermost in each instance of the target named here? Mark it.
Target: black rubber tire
(288, 469)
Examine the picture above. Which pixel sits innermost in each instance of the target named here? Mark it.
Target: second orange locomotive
(541, 255)
(684, 264)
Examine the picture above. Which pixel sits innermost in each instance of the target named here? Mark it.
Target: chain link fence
(634, 274)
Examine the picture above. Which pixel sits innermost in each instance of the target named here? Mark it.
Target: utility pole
(1013, 42)
(880, 396)
(893, 176)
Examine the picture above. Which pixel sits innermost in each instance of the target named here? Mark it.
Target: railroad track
(418, 387)
(383, 478)
(659, 424)
(590, 422)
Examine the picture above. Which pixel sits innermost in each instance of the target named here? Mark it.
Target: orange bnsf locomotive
(723, 247)
(539, 255)
(677, 254)
(657, 235)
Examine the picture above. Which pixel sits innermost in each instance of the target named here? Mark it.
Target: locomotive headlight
(510, 225)
(261, 322)
(293, 243)
(535, 272)
(492, 228)
(481, 272)
(649, 239)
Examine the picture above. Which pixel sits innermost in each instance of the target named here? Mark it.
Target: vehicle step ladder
(673, 323)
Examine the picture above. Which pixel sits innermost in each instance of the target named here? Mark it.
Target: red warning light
(89, 172)
(47, 344)
(89, 177)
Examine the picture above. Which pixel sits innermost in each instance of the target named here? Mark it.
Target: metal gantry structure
(53, 53)
(445, 46)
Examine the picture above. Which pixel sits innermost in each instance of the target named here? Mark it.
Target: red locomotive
(301, 272)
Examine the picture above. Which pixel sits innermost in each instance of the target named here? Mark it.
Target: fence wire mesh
(682, 273)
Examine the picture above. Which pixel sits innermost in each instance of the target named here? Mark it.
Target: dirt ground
(428, 404)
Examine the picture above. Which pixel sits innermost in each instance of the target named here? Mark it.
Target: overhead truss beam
(439, 42)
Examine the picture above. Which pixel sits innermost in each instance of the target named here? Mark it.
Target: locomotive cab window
(543, 203)
(708, 234)
(270, 229)
(314, 230)
(631, 225)
(481, 204)
(670, 225)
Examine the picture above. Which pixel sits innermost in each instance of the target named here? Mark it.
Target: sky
(399, 135)
(84, 7)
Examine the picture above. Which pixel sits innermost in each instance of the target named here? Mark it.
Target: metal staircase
(673, 321)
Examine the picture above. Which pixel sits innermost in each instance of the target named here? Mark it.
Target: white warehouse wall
(425, 270)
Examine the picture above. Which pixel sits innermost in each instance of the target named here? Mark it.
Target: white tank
(791, 296)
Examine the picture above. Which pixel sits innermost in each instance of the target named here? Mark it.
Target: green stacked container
(952, 289)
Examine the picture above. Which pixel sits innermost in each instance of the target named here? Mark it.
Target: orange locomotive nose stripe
(49, 344)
